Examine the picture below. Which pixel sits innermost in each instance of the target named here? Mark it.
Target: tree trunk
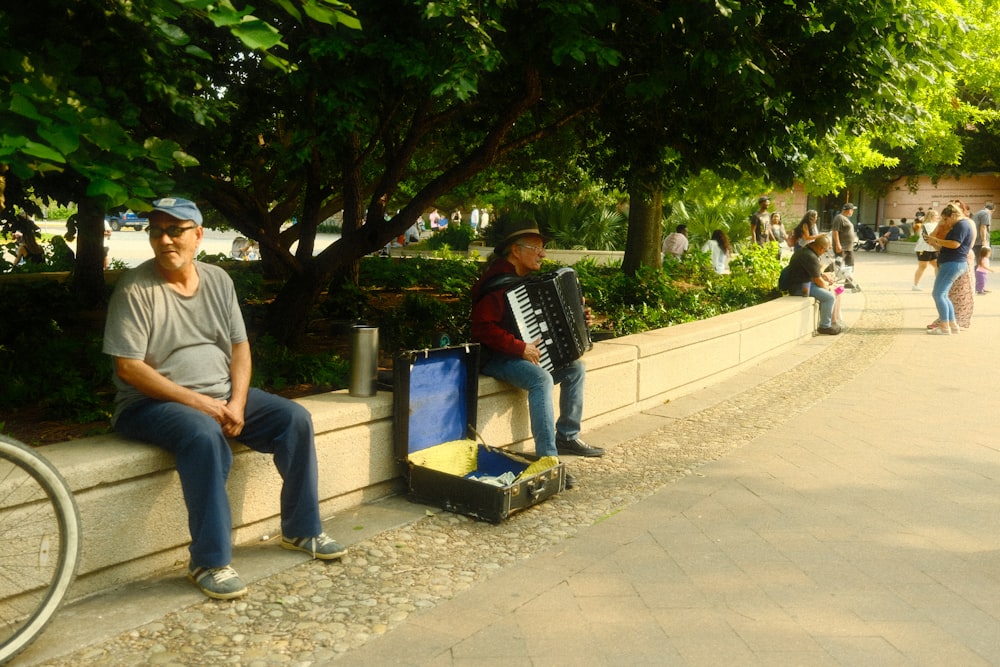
(88, 274)
(288, 315)
(642, 243)
(353, 207)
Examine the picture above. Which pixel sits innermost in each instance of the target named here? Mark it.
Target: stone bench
(134, 521)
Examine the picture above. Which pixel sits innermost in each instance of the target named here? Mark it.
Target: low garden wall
(135, 525)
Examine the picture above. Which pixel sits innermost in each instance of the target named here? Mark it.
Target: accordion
(549, 307)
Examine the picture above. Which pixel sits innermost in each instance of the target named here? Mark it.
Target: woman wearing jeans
(953, 238)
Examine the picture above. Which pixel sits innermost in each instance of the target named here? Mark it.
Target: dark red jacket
(492, 321)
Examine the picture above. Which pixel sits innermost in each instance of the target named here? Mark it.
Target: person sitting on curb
(181, 363)
(804, 277)
(676, 242)
(891, 234)
(515, 361)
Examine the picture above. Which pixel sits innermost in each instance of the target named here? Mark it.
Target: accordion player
(525, 358)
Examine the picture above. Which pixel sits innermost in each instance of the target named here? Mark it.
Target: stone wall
(134, 522)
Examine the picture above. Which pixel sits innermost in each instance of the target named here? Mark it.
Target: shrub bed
(52, 365)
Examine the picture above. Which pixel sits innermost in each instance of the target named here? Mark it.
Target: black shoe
(570, 481)
(577, 447)
(829, 331)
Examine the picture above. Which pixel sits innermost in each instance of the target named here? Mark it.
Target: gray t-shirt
(844, 229)
(187, 339)
(982, 218)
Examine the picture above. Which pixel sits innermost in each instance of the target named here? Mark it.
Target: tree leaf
(42, 151)
(257, 34)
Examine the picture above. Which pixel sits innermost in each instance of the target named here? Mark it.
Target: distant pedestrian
(844, 238)
(760, 222)
(953, 237)
(983, 269)
(982, 220)
(107, 249)
(926, 253)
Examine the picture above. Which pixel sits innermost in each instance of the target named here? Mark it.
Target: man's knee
(573, 373)
(540, 379)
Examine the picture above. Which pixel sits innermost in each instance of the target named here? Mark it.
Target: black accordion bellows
(549, 307)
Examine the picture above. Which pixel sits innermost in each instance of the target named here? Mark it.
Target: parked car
(126, 219)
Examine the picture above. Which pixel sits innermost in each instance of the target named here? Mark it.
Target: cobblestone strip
(316, 612)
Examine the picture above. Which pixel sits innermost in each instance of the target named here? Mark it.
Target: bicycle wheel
(39, 544)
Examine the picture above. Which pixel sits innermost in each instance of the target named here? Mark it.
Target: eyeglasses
(536, 248)
(174, 231)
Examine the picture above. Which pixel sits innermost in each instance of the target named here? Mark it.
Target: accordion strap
(504, 281)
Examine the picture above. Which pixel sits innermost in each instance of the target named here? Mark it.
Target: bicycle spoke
(39, 544)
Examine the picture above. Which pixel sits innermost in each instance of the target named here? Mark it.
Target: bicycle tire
(37, 508)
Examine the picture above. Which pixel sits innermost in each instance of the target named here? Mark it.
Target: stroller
(244, 249)
(866, 239)
(842, 275)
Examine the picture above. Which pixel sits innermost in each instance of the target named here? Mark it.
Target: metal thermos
(364, 360)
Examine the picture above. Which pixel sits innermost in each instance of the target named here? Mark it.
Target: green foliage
(346, 303)
(58, 114)
(421, 320)
(57, 257)
(58, 212)
(568, 223)
(707, 202)
(454, 237)
(451, 276)
(248, 277)
(575, 224)
(683, 291)
(329, 226)
(50, 355)
(277, 367)
(50, 350)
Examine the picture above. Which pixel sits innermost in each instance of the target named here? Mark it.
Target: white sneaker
(917, 289)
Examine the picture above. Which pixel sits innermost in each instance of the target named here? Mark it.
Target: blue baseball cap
(182, 209)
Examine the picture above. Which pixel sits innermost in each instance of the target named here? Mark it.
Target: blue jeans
(273, 425)
(947, 274)
(826, 300)
(539, 384)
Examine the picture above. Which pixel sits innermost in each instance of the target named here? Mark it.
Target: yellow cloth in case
(459, 458)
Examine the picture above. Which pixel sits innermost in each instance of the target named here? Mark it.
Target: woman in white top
(720, 249)
(926, 253)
